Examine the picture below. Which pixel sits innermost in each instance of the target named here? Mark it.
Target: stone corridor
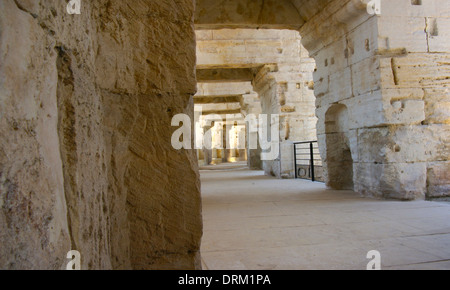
(256, 222)
(95, 160)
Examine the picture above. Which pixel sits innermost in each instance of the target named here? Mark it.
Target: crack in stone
(24, 9)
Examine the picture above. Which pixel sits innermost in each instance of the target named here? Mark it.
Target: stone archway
(281, 75)
(391, 81)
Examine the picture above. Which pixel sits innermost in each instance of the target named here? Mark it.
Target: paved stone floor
(256, 222)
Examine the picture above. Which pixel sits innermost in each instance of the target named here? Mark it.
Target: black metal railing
(308, 164)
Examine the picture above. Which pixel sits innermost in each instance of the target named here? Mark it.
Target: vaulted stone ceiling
(279, 14)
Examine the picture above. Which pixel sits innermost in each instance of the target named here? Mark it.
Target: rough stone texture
(390, 71)
(273, 14)
(33, 225)
(392, 76)
(86, 100)
(85, 159)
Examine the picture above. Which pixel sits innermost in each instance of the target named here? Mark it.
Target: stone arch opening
(268, 80)
(338, 161)
(272, 73)
(353, 68)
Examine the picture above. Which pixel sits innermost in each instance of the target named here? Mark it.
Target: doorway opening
(339, 161)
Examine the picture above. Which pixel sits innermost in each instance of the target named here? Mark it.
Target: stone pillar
(242, 144)
(226, 145)
(382, 97)
(86, 161)
(267, 87)
(207, 153)
(253, 154)
(285, 91)
(252, 105)
(414, 53)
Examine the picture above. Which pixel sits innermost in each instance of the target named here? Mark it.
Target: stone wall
(390, 72)
(416, 91)
(85, 159)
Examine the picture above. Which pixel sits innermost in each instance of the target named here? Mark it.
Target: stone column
(252, 105)
(267, 87)
(242, 144)
(416, 98)
(207, 153)
(86, 161)
(253, 154)
(380, 85)
(285, 90)
(226, 150)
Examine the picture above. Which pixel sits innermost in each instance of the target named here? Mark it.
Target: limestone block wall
(416, 89)
(346, 86)
(246, 47)
(224, 89)
(386, 76)
(269, 92)
(282, 93)
(85, 156)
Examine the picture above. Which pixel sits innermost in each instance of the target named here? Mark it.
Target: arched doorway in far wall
(338, 160)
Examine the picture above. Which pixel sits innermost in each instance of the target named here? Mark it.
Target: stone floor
(256, 222)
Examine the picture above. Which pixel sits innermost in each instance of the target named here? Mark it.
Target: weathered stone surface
(390, 71)
(86, 103)
(403, 181)
(86, 161)
(438, 174)
(391, 74)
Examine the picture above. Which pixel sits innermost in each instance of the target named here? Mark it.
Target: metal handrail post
(295, 161)
(311, 146)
